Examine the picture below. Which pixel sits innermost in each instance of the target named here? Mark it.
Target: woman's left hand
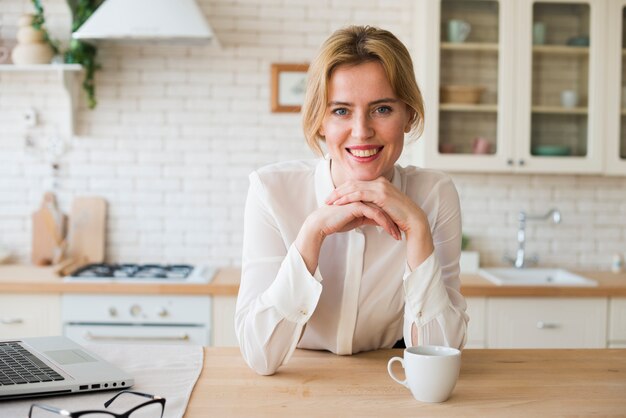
(409, 217)
(400, 208)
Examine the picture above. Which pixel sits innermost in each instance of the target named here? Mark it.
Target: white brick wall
(178, 129)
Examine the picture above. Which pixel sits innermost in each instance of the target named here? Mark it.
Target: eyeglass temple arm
(48, 408)
(145, 395)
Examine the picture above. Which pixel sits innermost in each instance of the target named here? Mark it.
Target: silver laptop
(46, 366)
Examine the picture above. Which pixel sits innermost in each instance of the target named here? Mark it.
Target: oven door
(137, 334)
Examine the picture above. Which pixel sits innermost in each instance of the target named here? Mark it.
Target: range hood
(146, 20)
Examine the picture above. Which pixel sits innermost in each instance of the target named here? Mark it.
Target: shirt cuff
(425, 292)
(295, 292)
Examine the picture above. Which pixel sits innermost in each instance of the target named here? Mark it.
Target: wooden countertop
(524, 383)
(609, 285)
(31, 279)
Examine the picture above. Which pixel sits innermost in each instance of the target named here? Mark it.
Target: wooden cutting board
(87, 230)
(49, 225)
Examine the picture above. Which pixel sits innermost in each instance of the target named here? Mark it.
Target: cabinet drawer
(476, 309)
(617, 320)
(224, 321)
(546, 323)
(29, 315)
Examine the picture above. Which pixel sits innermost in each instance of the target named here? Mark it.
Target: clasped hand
(376, 202)
(356, 203)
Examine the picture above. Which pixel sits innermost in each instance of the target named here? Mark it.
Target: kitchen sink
(534, 277)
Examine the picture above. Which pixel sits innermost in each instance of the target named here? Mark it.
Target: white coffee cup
(458, 30)
(431, 371)
(569, 98)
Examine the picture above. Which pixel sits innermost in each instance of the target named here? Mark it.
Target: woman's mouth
(364, 153)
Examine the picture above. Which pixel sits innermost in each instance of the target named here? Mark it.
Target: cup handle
(393, 376)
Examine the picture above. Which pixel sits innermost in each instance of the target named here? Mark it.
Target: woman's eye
(383, 110)
(340, 112)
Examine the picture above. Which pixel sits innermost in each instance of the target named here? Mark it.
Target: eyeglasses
(150, 409)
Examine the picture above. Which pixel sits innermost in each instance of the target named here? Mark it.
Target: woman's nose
(361, 126)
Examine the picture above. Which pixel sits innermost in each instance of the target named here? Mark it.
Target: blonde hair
(355, 45)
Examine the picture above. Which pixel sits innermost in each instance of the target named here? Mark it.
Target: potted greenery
(470, 260)
(78, 52)
(81, 52)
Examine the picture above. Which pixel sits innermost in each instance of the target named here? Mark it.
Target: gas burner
(161, 273)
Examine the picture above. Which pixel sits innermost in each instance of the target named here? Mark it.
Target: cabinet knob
(135, 310)
(509, 161)
(521, 162)
(163, 313)
(112, 312)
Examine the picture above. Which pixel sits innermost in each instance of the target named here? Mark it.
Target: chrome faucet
(520, 259)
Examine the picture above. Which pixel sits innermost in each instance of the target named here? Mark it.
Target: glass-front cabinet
(512, 85)
(616, 89)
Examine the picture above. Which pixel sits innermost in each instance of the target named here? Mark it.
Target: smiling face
(364, 123)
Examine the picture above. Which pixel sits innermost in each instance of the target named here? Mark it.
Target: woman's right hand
(331, 219)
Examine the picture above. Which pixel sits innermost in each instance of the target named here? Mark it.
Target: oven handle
(95, 337)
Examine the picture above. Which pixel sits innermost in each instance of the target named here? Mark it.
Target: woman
(351, 252)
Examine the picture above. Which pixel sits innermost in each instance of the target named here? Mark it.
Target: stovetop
(143, 273)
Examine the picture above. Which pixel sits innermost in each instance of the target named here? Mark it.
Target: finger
(379, 217)
(395, 226)
(347, 187)
(356, 196)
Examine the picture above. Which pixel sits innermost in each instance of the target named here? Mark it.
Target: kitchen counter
(31, 279)
(609, 285)
(18, 278)
(492, 383)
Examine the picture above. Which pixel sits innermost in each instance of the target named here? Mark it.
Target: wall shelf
(561, 49)
(67, 74)
(469, 46)
(458, 107)
(560, 110)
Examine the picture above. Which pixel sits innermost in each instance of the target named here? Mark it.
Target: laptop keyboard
(19, 366)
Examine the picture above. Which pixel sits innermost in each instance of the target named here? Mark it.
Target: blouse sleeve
(433, 300)
(277, 294)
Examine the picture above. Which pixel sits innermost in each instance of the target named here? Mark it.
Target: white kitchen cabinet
(29, 315)
(224, 321)
(616, 89)
(518, 123)
(477, 310)
(617, 323)
(547, 323)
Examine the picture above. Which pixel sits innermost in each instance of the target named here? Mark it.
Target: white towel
(170, 371)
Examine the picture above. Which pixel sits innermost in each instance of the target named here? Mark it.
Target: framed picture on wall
(288, 84)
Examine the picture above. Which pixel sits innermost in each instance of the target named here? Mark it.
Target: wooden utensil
(87, 230)
(49, 225)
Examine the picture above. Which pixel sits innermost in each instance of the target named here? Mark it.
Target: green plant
(81, 52)
(465, 240)
(39, 23)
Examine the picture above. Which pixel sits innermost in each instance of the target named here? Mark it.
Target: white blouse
(363, 295)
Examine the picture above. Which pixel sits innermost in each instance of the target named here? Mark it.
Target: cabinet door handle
(509, 161)
(11, 321)
(521, 162)
(548, 325)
